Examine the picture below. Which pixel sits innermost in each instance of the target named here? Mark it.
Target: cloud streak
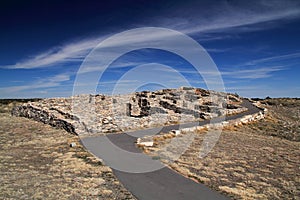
(228, 17)
(44, 83)
(253, 73)
(274, 58)
(71, 52)
(257, 73)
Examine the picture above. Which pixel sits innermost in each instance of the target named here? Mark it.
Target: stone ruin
(103, 114)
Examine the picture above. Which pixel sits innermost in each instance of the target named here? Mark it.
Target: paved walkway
(161, 184)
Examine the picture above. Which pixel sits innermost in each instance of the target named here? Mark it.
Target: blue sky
(255, 44)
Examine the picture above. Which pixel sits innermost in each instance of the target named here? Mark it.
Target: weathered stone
(73, 144)
(89, 114)
(176, 132)
(146, 141)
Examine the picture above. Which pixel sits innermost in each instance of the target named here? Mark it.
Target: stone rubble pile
(103, 114)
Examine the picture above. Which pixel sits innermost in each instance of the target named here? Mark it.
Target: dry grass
(36, 162)
(254, 161)
(283, 119)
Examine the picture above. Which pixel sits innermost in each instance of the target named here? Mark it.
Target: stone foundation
(148, 140)
(102, 114)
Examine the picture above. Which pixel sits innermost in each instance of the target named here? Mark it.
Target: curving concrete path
(161, 184)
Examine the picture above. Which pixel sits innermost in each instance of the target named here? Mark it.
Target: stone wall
(148, 141)
(102, 114)
(50, 118)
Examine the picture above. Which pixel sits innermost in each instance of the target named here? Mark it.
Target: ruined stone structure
(102, 114)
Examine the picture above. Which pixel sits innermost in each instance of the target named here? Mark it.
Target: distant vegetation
(8, 101)
(6, 105)
(287, 102)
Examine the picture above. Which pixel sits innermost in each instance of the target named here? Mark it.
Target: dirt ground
(260, 160)
(257, 161)
(36, 162)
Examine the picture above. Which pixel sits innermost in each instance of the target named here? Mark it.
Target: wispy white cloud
(243, 72)
(260, 68)
(40, 84)
(224, 17)
(255, 73)
(263, 91)
(274, 58)
(75, 51)
(119, 66)
(232, 16)
(218, 50)
(78, 50)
